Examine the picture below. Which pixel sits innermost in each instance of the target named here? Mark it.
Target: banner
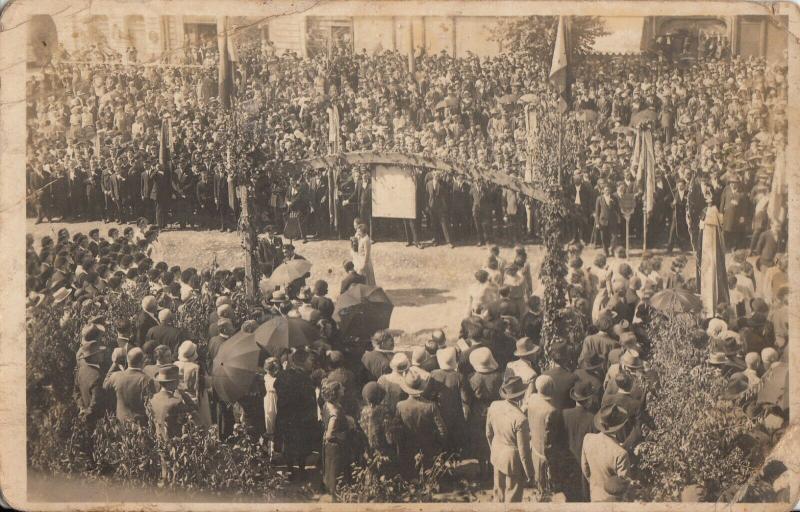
(394, 192)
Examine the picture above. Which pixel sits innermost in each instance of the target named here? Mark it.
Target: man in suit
(171, 407)
(602, 456)
(478, 192)
(584, 201)
(438, 207)
(606, 216)
(132, 388)
(509, 436)
(578, 421)
(165, 333)
(222, 200)
(88, 379)
(599, 343)
(352, 277)
(767, 247)
(679, 229)
(376, 361)
(734, 207)
(423, 428)
(544, 420)
(146, 319)
(563, 379)
(145, 189)
(631, 434)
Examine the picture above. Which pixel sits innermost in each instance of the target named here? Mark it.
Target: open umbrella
(676, 300)
(363, 310)
(288, 272)
(235, 366)
(774, 387)
(281, 332)
(643, 116)
(528, 98)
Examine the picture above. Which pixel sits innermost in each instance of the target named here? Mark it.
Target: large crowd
(565, 421)
(565, 418)
(720, 125)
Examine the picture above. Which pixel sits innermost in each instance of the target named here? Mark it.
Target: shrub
(375, 481)
(694, 435)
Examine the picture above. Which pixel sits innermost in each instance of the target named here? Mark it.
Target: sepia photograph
(423, 252)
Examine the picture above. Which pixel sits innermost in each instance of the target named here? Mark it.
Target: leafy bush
(375, 481)
(126, 452)
(694, 439)
(59, 441)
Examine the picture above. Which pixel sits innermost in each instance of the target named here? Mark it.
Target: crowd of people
(565, 418)
(720, 125)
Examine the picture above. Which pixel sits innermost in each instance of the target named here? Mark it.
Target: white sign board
(394, 192)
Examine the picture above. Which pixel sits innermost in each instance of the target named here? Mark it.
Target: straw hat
(482, 360)
(187, 352)
(414, 383)
(526, 347)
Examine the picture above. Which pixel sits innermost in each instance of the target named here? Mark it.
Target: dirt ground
(429, 287)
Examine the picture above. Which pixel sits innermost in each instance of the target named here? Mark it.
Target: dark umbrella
(363, 310)
(643, 116)
(235, 366)
(676, 300)
(281, 332)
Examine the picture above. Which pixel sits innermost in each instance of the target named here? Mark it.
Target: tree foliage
(694, 436)
(556, 148)
(536, 35)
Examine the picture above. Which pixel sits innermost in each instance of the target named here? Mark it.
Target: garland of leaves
(557, 144)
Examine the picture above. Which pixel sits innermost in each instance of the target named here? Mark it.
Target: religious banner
(394, 192)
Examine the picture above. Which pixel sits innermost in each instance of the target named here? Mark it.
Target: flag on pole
(225, 75)
(559, 69)
(644, 162)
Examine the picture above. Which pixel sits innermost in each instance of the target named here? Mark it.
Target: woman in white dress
(271, 369)
(713, 276)
(362, 257)
(194, 381)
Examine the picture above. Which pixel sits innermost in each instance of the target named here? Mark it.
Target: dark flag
(560, 72)
(225, 64)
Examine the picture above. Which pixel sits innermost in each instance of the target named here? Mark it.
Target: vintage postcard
(440, 254)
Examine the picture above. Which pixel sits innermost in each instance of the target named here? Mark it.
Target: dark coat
(166, 335)
(376, 363)
(482, 389)
(143, 324)
(452, 394)
(564, 380)
(577, 423)
(600, 344)
(607, 214)
(423, 429)
(296, 425)
(133, 388)
(89, 387)
(170, 410)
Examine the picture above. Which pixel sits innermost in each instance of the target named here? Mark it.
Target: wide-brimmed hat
(187, 352)
(610, 418)
(513, 387)
(736, 386)
(630, 359)
(61, 294)
(279, 297)
(90, 348)
(527, 347)
(167, 373)
(447, 358)
(722, 359)
(482, 360)
(415, 383)
(399, 362)
(582, 390)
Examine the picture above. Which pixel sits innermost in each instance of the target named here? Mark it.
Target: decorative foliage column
(557, 144)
